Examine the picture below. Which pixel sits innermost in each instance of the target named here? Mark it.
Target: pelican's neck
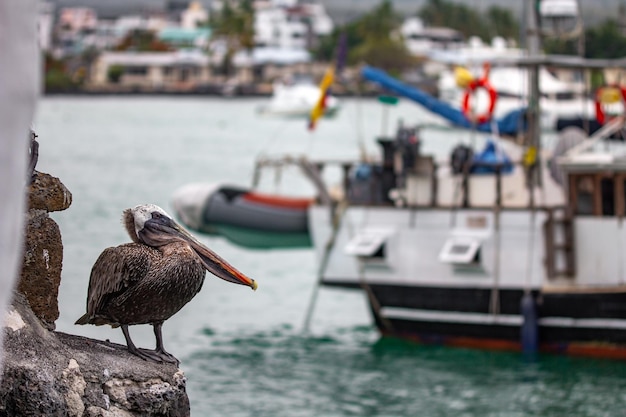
(129, 223)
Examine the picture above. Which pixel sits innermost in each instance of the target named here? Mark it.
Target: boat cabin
(494, 176)
(585, 241)
(596, 185)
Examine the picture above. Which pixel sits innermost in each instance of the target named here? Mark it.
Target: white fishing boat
(508, 247)
(467, 251)
(296, 100)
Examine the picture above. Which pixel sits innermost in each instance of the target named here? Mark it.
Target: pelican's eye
(156, 215)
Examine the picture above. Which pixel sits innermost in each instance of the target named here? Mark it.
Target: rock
(50, 373)
(43, 248)
(56, 374)
(41, 270)
(48, 193)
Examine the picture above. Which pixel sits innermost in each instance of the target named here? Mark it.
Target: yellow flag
(320, 106)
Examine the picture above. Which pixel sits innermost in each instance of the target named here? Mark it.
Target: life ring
(472, 86)
(603, 96)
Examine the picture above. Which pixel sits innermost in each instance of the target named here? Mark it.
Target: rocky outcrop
(57, 374)
(48, 193)
(43, 248)
(48, 373)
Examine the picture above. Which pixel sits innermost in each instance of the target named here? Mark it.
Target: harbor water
(246, 353)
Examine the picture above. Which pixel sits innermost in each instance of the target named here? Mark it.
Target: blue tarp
(486, 161)
(510, 124)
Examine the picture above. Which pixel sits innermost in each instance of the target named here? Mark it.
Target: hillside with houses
(227, 48)
(243, 47)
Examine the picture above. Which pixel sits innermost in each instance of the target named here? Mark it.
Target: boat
(463, 252)
(560, 100)
(244, 216)
(511, 246)
(296, 100)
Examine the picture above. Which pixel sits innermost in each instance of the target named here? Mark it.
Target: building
(45, 24)
(77, 19)
(151, 71)
(289, 24)
(194, 16)
(420, 40)
(74, 31)
(185, 38)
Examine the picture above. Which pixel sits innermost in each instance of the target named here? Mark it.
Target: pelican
(149, 280)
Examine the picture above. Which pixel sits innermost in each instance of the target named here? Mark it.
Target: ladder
(558, 232)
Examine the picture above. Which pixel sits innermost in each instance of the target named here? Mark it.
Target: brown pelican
(149, 280)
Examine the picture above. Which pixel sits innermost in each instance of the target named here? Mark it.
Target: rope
(270, 142)
(330, 244)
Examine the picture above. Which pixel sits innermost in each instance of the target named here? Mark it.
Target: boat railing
(428, 184)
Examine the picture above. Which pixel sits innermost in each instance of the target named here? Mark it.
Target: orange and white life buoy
(609, 94)
(475, 84)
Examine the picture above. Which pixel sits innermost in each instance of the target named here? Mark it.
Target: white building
(193, 16)
(175, 71)
(77, 19)
(289, 24)
(45, 23)
(420, 40)
(153, 23)
(273, 28)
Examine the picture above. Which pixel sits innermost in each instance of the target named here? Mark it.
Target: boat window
(368, 243)
(599, 194)
(584, 195)
(136, 70)
(461, 250)
(607, 187)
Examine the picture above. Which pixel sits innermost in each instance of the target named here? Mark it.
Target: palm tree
(235, 24)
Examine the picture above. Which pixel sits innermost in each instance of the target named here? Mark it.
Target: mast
(533, 49)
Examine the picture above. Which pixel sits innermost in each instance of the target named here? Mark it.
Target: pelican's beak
(216, 265)
(211, 260)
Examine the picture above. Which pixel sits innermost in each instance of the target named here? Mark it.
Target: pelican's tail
(83, 320)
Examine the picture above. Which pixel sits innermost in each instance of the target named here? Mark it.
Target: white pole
(19, 88)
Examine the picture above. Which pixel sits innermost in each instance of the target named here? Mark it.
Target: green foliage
(142, 40)
(236, 24)
(502, 22)
(370, 39)
(114, 73)
(57, 80)
(498, 21)
(56, 76)
(604, 41)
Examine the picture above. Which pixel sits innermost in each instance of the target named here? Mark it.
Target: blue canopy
(489, 158)
(510, 124)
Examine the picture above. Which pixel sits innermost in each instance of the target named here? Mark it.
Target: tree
(605, 41)
(371, 39)
(114, 73)
(502, 23)
(141, 40)
(56, 76)
(236, 26)
(498, 21)
(602, 41)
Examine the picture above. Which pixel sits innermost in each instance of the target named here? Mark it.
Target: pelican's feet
(146, 354)
(167, 357)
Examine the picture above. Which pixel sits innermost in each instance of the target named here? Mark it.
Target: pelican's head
(150, 225)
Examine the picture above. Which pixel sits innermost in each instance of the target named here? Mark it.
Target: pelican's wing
(116, 270)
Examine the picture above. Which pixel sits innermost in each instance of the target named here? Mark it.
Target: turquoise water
(245, 353)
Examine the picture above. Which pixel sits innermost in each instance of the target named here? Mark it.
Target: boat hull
(414, 293)
(244, 217)
(583, 324)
